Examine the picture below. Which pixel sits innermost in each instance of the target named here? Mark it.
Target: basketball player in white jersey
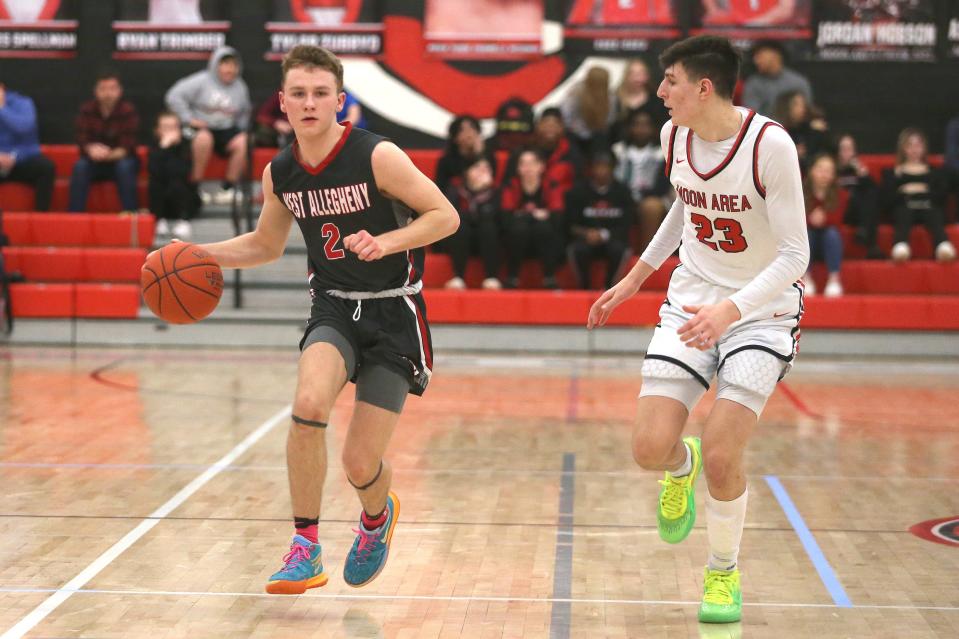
(733, 306)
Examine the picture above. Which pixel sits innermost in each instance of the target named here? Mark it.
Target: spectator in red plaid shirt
(107, 134)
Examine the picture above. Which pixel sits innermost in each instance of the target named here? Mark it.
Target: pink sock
(309, 532)
(372, 523)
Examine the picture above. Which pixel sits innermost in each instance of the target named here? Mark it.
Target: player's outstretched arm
(398, 178)
(264, 244)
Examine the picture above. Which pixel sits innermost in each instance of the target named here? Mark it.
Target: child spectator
(600, 213)
(20, 157)
(914, 191)
(107, 135)
(173, 198)
(532, 210)
(825, 209)
(477, 200)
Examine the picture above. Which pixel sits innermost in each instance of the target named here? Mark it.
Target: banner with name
(345, 27)
(38, 29)
(866, 30)
(484, 29)
(746, 22)
(952, 31)
(169, 29)
(620, 27)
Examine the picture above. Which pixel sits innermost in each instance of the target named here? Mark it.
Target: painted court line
(826, 573)
(63, 593)
(560, 616)
(540, 600)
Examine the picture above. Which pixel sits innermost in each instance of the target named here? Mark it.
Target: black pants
(173, 198)
(582, 255)
(931, 216)
(524, 232)
(475, 236)
(39, 172)
(862, 212)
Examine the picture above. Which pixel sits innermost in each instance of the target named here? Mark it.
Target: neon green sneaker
(722, 597)
(677, 499)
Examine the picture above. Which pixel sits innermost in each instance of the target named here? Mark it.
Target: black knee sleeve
(309, 422)
(369, 483)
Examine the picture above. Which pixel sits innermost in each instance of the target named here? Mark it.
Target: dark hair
(310, 57)
(107, 73)
(706, 56)
(229, 57)
(832, 191)
(635, 114)
(531, 149)
(772, 45)
(165, 114)
(601, 156)
(457, 125)
(551, 112)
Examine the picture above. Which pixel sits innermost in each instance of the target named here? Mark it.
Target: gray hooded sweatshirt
(203, 96)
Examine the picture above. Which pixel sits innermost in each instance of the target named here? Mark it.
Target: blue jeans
(825, 245)
(123, 172)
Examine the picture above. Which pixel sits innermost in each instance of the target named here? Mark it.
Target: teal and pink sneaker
(303, 569)
(368, 555)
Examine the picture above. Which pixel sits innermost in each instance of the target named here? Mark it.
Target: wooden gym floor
(143, 494)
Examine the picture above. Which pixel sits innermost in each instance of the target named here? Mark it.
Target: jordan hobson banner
(861, 30)
(38, 29)
(169, 29)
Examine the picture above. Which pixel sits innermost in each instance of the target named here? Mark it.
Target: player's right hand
(603, 307)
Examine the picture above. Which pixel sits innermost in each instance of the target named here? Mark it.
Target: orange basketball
(181, 283)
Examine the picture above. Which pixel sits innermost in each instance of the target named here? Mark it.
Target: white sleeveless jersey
(727, 239)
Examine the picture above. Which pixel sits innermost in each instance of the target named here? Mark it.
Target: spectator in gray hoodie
(215, 107)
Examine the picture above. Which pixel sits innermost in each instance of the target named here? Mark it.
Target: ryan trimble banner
(38, 29)
(169, 29)
(903, 30)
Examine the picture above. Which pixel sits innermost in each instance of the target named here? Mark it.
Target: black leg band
(369, 483)
(309, 422)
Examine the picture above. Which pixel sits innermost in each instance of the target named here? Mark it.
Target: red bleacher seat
(79, 229)
(69, 264)
(88, 300)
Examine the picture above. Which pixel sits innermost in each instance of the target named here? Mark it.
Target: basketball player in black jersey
(365, 212)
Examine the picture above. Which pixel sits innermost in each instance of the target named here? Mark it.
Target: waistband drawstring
(359, 309)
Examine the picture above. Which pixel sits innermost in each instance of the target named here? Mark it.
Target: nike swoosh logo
(780, 315)
(680, 161)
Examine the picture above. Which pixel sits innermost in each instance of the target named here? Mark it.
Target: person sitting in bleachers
(589, 111)
(772, 79)
(599, 211)
(214, 105)
(915, 191)
(477, 200)
(805, 125)
(640, 166)
(20, 157)
(464, 145)
(106, 130)
(532, 213)
(173, 197)
(636, 92)
(862, 211)
(514, 126)
(825, 210)
(562, 157)
(273, 127)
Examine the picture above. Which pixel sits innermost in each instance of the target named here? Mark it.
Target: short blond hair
(310, 57)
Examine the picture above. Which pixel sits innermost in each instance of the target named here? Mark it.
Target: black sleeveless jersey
(338, 198)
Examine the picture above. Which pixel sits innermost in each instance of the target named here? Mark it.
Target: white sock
(724, 527)
(687, 466)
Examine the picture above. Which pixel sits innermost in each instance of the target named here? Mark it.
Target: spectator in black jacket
(173, 197)
(464, 145)
(477, 200)
(600, 212)
(862, 211)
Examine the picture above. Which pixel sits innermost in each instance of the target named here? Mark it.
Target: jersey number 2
(332, 235)
(733, 240)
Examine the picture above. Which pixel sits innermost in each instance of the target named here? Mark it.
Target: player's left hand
(708, 324)
(367, 247)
